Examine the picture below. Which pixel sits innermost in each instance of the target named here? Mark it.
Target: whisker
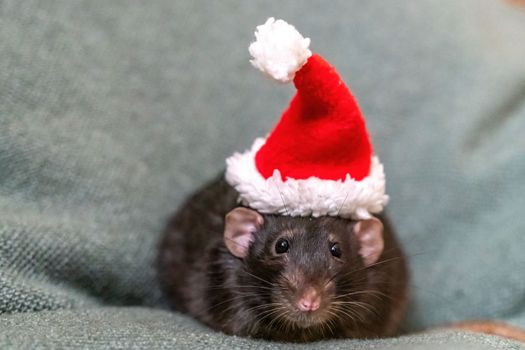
(347, 273)
(259, 278)
(274, 309)
(237, 296)
(310, 331)
(343, 203)
(381, 262)
(243, 286)
(259, 319)
(370, 292)
(250, 309)
(331, 321)
(322, 329)
(366, 306)
(279, 315)
(282, 198)
(270, 305)
(349, 313)
(224, 302)
(282, 323)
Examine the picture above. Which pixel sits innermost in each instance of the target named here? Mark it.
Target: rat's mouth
(304, 309)
(302, 319)
(307, 322)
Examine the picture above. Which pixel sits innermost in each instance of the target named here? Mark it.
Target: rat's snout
(308, 294)
(309, 300)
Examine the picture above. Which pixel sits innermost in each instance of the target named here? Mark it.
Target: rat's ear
(370, 235)
(239, 227)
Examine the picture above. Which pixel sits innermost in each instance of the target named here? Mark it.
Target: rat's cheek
(291, 279)
(329, 291)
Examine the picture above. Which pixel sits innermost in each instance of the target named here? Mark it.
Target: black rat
(300, 271)
(280, 277)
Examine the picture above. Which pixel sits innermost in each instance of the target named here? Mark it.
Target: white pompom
(279, 50)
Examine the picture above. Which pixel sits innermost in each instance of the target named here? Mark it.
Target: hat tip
(279, 50)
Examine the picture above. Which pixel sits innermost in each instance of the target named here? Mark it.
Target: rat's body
(307, 288)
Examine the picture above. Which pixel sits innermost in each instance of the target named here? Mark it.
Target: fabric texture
(139, 328)
(112, 112)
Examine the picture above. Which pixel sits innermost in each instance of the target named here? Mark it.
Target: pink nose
(309, 301)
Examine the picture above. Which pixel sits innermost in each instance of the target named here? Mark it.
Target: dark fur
(202, 278)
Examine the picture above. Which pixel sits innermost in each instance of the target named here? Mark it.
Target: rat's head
(304, 271)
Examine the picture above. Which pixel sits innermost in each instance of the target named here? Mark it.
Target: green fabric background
(111, 112)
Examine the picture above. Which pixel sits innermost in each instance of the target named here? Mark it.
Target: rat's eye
(281, 246)
(335, 250)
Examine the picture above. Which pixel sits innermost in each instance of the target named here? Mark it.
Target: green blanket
(112, 112)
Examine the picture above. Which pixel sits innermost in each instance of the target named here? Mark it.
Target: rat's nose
(310, 300)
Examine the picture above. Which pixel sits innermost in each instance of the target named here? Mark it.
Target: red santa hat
(318, 160)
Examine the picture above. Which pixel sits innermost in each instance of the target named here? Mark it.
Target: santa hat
(318, 160)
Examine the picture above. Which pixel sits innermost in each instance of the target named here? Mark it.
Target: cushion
(112, 112)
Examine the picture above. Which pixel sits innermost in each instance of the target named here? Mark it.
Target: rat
(279, 277)
(284, 245)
